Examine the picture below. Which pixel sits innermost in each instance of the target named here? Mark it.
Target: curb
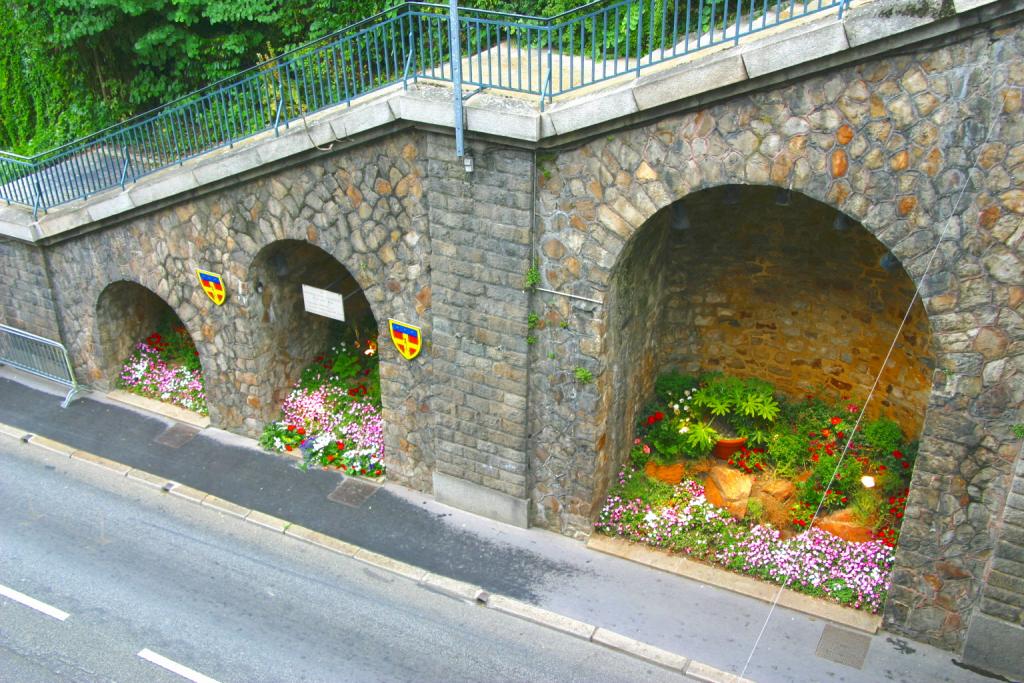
(744, 585)
(454, 588)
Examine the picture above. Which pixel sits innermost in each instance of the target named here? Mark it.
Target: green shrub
(882, 435)
(671, 385)
(651, 491)
(788, 453)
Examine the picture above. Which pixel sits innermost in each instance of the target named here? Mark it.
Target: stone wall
(27, 303)
(480, 231)
(889, 142)
(778, 292)
(364, 207)
(126, 313)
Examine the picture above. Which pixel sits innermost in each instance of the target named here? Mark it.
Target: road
(137, 570)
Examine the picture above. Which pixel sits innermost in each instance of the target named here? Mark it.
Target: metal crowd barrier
(40, 356)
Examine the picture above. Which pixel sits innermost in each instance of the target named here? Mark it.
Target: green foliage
(867, 507)
(532, 320)
(755, 510)
(882, 435)
(583, 376)
(748, 405)
(788, 452)
(842, 487)
(531, 279)
(1018, 431)
(531, 340)
(673, 384)
(668, 443)
(639, 486)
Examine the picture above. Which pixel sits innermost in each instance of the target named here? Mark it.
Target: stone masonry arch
(364, 207)
(889, 142)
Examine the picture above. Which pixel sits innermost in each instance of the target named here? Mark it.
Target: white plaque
(322, 302)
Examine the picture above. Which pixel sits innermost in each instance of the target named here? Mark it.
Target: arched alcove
(126, 314)
(289, 337)
(763, 283)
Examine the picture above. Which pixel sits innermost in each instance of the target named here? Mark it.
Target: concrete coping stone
(744, 585)
(635, 648)
(225, 506)
(160, 408)
(539, 615)
(267, 521)
(12, 432)
(106, 464)
(709, 674)
(322, 540)
(454, 587)
(188, 493)
(149, 479)
(51, 445)
(394, 566)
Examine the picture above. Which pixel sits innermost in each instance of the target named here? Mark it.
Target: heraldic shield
(212, 284)
(407, 338)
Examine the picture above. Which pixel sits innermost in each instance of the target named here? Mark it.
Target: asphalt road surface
(125, 583)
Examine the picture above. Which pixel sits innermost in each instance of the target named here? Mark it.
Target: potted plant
(741, 410)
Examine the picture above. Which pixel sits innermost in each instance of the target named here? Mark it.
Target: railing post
(408, 61)
(280, 102)
(455, 49)
(640, 34)
(37, 200)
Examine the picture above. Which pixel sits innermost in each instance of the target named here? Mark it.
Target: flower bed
(813, 562)
(807, 469)
(332, 417)
(166, 367)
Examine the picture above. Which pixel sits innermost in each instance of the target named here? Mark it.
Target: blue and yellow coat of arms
(408, 339)
(213, 285)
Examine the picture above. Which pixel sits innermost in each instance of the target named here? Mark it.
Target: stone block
(590, 112)
(994, 645)
(167, 184)
(231, 163)
(691, 79)
(110, 206)
(791, 48)
(880, 19)
(480, 500)
(366, 117)
(521, 126)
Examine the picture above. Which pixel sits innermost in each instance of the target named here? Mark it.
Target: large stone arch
(890, 143)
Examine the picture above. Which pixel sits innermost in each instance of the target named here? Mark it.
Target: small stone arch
(126, 313)
(283, 336)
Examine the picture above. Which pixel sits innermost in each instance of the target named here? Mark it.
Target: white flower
(651, 517)
(684, 429)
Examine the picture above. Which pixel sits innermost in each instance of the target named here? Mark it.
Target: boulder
(779, 489)
(728, 488)
(844, 524)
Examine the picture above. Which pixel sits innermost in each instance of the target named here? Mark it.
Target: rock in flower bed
(679, 518)
(166, 367)
(332, 416)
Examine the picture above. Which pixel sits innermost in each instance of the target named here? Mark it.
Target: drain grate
(352, 492)
(177, 435)
(843, 647)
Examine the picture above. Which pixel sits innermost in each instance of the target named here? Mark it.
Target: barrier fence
(540, 56)
(40, 356)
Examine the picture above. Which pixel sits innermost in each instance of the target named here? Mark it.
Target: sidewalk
(707, 624)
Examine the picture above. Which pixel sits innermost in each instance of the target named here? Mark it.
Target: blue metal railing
(541, 56)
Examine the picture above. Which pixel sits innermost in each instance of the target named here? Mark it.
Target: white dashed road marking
(48, 610)
(174, 667)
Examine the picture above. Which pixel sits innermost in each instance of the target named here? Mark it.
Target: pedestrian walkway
(708, 624)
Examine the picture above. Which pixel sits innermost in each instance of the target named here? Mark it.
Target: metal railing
(542, 56)
(40, 356)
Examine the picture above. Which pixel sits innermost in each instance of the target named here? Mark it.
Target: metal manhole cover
(352, 492)
(177, 435)
(843, 647)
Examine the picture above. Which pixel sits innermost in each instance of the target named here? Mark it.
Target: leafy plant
(583, 376)
(531, 340)
(882, 435)
(788, 452)
(531, 321)
(1018, 431)
(748, 405)
(531, 279)
(673, 384)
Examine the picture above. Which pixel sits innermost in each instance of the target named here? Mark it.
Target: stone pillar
(480, 231)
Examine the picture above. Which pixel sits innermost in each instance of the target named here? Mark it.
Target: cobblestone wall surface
(890, 142)
(364, 207)
(27, 303)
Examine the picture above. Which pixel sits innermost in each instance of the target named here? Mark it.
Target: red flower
(906, 465)
(897, 455)
(330, 458)
(650, 420)
(362, 471)
(287, 446)
(659, 416)
(351, 392)
(852, 408)
(377, 473)
(291, 428)
(835, 421)
(882, 468)
(341, 445)
(319, 359)
(898, 515)
(892, 500)
(301, 431)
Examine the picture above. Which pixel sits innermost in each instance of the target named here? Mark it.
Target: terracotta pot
(726, 447)
(670, 474)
